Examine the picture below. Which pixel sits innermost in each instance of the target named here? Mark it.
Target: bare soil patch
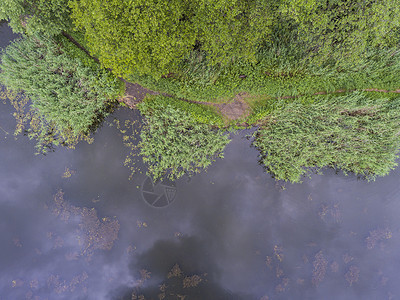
(135, 93)
(235, 110)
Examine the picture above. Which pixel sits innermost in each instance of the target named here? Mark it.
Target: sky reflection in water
(243, 235)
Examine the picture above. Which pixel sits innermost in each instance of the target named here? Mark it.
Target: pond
(73, 226)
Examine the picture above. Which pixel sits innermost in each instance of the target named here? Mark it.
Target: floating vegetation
(141, 224)
(17, 283)
(58, 242)
(130, 249)
(97, 234)
(130, 131)
(34, 125)
(34, 284)
(320, 264)
(282, 286)
(60, 286)
(137, 297)
(278, 251)
(352, 275)
(334, 267)
(68, 173)
(178, 234)
(175, 271)
(383, 279)
(177, 285)
(144, 275)
(17, 242)
(330, 213)
(268, 262)
(192, 281)
(376, 236)
(72, 256)
(347, 258)
(93, 234)
(279, 272)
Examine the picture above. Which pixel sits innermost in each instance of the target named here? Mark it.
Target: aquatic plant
(46, 134)
(63, 91)
(354, 133)
(320, 265)
(173, 144)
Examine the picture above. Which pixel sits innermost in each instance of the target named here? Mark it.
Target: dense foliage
(353, 133)
(344, 29)
(282, 69)
(44, 16)
(151, 37)
(63, 91)
(173, 144)
(275, 51)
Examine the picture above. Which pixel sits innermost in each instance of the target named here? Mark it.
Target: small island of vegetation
(319, 79)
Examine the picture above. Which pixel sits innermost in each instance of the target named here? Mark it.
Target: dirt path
(135, 93)
(235, 110)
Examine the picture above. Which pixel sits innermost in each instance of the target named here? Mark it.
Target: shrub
(35, 126)
(63, 90)
(173, 143)
(353, 133)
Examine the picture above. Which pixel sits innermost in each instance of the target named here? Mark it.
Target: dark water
(74, 227)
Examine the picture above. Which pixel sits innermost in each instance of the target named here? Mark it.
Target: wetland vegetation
(319, 79)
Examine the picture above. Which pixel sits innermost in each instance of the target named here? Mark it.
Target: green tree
(353, 133)
(344, 29)
(44, 16)
(152, 36)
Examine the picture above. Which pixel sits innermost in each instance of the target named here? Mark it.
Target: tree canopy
(44, 16)
(344, 29)
(152, 36)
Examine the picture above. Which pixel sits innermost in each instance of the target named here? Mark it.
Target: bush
(63, 90)
(173, 143)
(353, 133)
(35, 126)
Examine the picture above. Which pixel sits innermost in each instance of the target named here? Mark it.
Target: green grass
(353, 132)
(202, 114)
